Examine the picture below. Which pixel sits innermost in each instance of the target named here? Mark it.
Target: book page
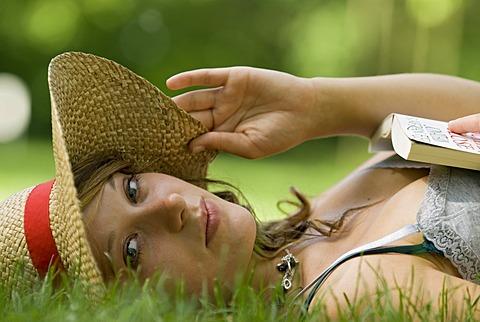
(436, 133)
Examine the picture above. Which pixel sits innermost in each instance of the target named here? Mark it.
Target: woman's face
(152, 222)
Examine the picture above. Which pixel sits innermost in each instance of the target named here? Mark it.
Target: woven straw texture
(16, 268)
(100, 108)
(106, 109)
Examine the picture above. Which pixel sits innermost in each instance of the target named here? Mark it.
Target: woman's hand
(250, 112)
(255, 112)
(470, 123)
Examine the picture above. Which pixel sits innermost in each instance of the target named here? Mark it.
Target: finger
(199, 77)
(197, 100)
(234, 143)
(470, 123)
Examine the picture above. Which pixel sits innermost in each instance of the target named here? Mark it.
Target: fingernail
(198, 149)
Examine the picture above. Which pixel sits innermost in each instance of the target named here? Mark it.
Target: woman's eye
(131, 253)
(132, 188)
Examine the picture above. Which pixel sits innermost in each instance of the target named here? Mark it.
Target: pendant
(287, 265)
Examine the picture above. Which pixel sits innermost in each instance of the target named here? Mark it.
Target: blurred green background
(158, 38)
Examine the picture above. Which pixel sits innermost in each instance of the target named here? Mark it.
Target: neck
(266, 276)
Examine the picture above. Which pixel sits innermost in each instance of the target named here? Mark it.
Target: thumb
(234, 143)
(470, 123)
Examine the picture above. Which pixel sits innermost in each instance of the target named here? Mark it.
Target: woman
(254, 113)
(145, 209)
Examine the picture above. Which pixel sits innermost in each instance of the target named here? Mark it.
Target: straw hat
(98, 107)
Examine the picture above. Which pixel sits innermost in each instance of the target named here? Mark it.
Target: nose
(169, 210)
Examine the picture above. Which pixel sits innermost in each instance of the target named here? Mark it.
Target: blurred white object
(15, 107)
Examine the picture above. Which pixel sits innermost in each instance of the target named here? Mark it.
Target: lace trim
(436, 224)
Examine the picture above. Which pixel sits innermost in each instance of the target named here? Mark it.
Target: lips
(213, 220)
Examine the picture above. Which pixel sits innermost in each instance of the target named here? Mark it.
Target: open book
(425, 140)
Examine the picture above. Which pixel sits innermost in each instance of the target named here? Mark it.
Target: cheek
(242, 225)
(177, 262)
(241, 232)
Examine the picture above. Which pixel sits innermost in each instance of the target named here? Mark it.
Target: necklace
(287, 265)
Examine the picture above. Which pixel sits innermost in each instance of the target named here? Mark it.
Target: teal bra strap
(422, 248)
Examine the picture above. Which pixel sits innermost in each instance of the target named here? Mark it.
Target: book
(426, 140)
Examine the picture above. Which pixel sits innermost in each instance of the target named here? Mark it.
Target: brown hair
(93, 172)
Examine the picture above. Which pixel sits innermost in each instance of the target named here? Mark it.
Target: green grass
(148, 302)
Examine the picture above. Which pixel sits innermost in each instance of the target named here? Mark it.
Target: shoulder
(368, 275)
(404, 282)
